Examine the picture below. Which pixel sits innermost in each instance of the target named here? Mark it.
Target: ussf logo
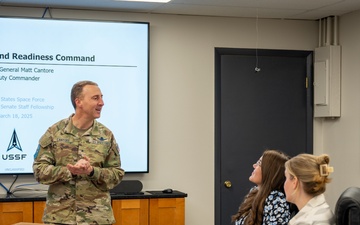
(13, 145)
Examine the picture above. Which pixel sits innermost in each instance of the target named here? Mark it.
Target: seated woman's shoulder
(277, 193)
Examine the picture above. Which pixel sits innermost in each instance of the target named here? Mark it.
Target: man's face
(90, 102)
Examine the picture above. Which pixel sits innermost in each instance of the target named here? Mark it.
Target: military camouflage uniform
(80, 199)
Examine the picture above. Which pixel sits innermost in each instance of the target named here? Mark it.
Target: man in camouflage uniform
(79, 158)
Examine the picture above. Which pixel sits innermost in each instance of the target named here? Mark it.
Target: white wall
(341, 137)
(182, 95)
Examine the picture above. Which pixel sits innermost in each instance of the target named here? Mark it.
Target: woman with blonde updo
(306, 178)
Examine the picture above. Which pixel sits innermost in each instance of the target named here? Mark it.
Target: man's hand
(81, 167)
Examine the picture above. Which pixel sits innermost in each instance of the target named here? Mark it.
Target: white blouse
(315, 212)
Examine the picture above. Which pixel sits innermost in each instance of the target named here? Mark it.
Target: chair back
(347, 210)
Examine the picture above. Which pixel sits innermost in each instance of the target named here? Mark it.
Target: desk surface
(17, 197)
(25, 223)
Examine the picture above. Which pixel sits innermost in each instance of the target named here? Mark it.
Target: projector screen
(40, 60)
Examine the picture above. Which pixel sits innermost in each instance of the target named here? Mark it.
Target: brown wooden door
(39, 211)
(167, 211)
(15, 212)
(131, 211)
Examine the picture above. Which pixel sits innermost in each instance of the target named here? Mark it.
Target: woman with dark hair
(306, 179)
(266, 202)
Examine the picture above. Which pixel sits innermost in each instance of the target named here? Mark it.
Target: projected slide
(41, 59)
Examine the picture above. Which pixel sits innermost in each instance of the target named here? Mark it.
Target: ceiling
(279, 9)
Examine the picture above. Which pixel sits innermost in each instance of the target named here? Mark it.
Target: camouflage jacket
(80, 199)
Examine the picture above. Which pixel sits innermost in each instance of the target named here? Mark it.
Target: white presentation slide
(41, 59)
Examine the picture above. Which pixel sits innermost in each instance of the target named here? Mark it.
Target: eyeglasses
(258, 163)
